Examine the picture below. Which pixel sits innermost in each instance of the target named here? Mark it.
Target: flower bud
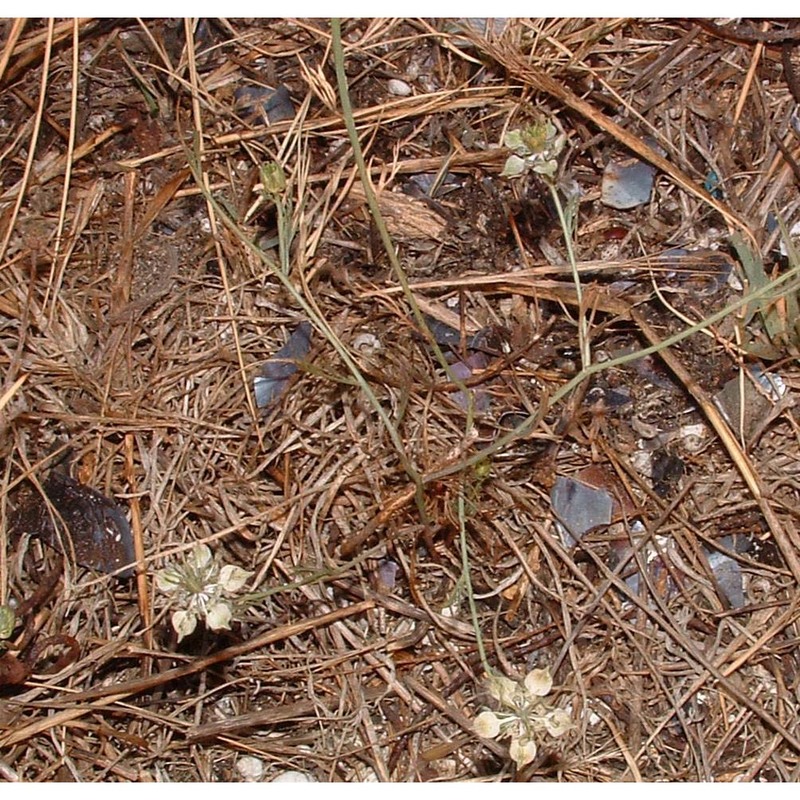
(273, 178)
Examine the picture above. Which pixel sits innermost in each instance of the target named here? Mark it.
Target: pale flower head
(200, 589)
(526, 715)
(535, 147)
(273, 178)
(193, 575)
(538, 682)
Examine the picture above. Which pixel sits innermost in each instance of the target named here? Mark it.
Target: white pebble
(250, 768)
(399, 88)
(367, 343)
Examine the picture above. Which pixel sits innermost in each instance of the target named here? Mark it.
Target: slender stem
(568, 227)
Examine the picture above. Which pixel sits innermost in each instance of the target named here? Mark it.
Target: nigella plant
(524, 715)
(200, 589)
(535, 148)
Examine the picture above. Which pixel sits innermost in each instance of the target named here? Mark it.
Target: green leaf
(753, 271)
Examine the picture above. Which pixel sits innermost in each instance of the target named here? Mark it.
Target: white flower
(535, 147)
(527, 717)
(200, 588)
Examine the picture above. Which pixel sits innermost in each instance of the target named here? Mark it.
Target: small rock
(399, 88)
(367, 343)
(728, 574)
(262, 102)
(579, 508)
(627, 184)
(250, 768)
(276, 371)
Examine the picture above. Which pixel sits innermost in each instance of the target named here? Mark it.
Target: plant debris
(469, 346)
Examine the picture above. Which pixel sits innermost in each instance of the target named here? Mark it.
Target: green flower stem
(567, 221)
(319, 322)
(285, 233)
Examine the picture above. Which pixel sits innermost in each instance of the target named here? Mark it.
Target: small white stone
(450, 611)
(693, 437)
(96, 122)
(642, 462)
(399, 88)
(367, 343)
(250, 768)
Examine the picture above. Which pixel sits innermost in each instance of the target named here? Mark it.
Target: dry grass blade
(113, 694)
(182, 200)
(788, 542)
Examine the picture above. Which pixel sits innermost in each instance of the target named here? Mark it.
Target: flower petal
(199, 556)
(538, 682)
(502, 689)
(547, 168)
(184, 623)
(523, 751)
(557, 722)
(232, 578)
(514, 167)
(169, 579)
(487, 725)
(219, 616)
(513, 141)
